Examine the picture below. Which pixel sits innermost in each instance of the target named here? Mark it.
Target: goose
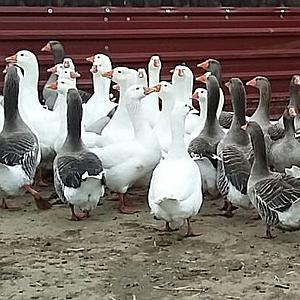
(79, 178)
(175, 190)
(261, 114)
(235, 151)
(57, 49)
(214, 66)
(293, 101)
(127, 162)
(150, 103)
(63, 84)
(58, 52)
(204, 146)
(182, 80)
(99, 105)
(120, 127)
(288, 144)
(142, 77)
(39, 120)
(276, 196)
(19, 146)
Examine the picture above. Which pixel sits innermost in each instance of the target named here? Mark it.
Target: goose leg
(39, 179)
(5, 206)
(123, 207)
(40, 202)
(75, 217)
(268, 234)
(189, 231)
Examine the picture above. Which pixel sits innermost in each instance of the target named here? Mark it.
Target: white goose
(127, 162)
(19, 147)
(99, 104)
(142, 77)
(78, 174)
(175, 190)
(150, 103)
(120, 127)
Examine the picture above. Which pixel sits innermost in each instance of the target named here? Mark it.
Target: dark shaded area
(152, 3)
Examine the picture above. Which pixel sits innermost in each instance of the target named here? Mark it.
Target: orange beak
(108, 74)
(90, 58)
(53, 85)
(157, 88)
(74, 75)
(156, 63)
(244, 127)
(195, 96)
(93, 69)
(172, 71)
(149, 90)
(47, 48)
(203, 65)
(116, 87)
(11, 59)
(227, 84)
(140, 74)
(202, 78)
(252, 82)
(52, 70)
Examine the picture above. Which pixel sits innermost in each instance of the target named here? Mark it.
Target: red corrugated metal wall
(248, 41)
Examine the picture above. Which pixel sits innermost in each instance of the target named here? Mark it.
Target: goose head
(24, 59)
(200, 95)
(213, 66)
(203, 78)
(68, 73)
(142, 77)
(121, 75)
(52, 46)
(63, 85)
(184, 77)
(181, 110)
(137, 92)
(154, 63)
(258, 82)
(99, 58)
(68, 63)
(101, 64)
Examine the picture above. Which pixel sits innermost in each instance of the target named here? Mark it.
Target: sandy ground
(111, 256)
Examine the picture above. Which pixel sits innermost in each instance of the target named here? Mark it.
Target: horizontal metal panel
(248, 41)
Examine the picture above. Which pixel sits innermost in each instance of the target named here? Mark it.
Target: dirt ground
(111, 256)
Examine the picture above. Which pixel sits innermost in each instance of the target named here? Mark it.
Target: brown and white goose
(276, 196)
(19, 147)
(204, 146)
(235, 151)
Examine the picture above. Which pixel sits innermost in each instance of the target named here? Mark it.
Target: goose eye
(62, 82)
(165, 85)
(186, 105)
(119, 72)
(22, 54)
(137, 88)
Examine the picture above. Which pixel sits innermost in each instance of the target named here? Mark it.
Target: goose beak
(93, 69)
(11, 59)
(66, 64)
(74, 75)
(116, 87)
(252, 82)
(157, 88)
(47, 48)
(156, 63)
(292, 111)
(108, 74)
(244, 127)
(53, 85)
(90, 58)
(203, 65)
(227, 84)
(202, 78)
(180, 72)
(195, 96)
(5, 69)
(148, 90)
(140, 74)
(297, 80)
(172, 71)
(52, 70)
